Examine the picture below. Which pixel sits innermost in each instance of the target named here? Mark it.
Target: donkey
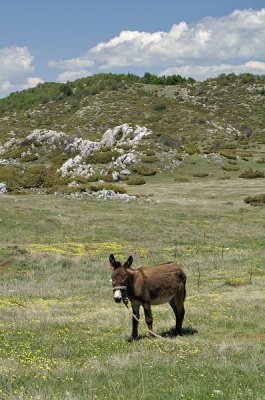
(148, 286)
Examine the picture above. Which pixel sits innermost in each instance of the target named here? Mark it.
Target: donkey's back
(160, 283)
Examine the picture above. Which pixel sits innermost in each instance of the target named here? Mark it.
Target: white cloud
(232, 39)
(15, 61)
(16, 67)
(72, 63)
(72, 75)
(7, 87)
(207, 71)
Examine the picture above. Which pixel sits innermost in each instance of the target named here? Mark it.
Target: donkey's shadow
(169, 334)
(188, 331)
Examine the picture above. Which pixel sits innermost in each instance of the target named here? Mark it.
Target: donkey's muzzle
(117, 300)
(117, 295)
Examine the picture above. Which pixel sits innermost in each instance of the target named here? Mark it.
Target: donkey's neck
(131, 275)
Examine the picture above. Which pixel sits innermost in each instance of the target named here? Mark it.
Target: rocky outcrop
(75, 166)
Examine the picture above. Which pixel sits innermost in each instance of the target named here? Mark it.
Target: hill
(221, 120)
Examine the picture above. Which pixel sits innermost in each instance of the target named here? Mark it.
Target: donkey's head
(120, 277)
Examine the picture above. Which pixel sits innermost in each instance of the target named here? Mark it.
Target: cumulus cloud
(203, 72)
(16, 68)
(232, 39)
(72, 75)
(15, 61)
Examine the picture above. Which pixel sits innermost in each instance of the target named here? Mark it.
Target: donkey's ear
(128, 263)
(112, 261)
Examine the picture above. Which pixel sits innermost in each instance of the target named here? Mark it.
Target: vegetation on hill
(221, 119)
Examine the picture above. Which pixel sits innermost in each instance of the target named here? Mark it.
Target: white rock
(3, 188)
(75, 166)
(116, 176)
(47, 136)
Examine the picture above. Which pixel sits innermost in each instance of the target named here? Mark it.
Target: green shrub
(179, 157)
(138, 180)
(78, 179)
(259, 199)
(107, 178)
(261, 160)
(150, 152)
(251, 174)
(107, 186)
(228, 154)
(36, 176)
(245, 154)
(149, 159)
(57, 158)
(101, 157)
(88, 187)
(159, 106)
(10, 175)
(14, 153)
(200, 174)
(230, 167)
(29, 157)
(144, 170)
(192, 148)
(33, 176)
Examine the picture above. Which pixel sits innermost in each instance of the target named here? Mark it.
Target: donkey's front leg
(148, 317)
(135, 320)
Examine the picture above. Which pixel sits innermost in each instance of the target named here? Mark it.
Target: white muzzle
(117, 295)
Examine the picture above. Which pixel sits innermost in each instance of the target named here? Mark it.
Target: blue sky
(60, 40)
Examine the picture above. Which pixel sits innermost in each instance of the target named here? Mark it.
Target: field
(63, 337)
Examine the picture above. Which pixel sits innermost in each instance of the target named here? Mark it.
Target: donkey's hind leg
(177, 304)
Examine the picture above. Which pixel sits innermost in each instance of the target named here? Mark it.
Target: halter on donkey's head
(120, 290)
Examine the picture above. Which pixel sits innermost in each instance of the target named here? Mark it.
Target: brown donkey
(148, 286)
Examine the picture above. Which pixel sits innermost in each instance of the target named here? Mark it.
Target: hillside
(185, 122)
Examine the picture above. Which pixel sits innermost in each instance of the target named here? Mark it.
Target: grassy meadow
(63, 337)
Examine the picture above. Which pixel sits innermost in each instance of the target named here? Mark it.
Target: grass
(62, 336)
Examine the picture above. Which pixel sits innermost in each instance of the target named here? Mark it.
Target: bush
(138, 180)
(149, 159)
(245, 154)
(36, 176)
(107, 186)
(10, 175)
(101, 157)
(14, 153)
(179, 157)
(230, 167)
(159, 106)
(200, 174)
(29, 157)
(251, 174)
(150, 152)
(228, 154)
(144, 170)
(191, 149)
(86, 188)
(107, 178)
(259, 199)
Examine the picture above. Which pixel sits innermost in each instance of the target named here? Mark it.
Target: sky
(63, 40)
